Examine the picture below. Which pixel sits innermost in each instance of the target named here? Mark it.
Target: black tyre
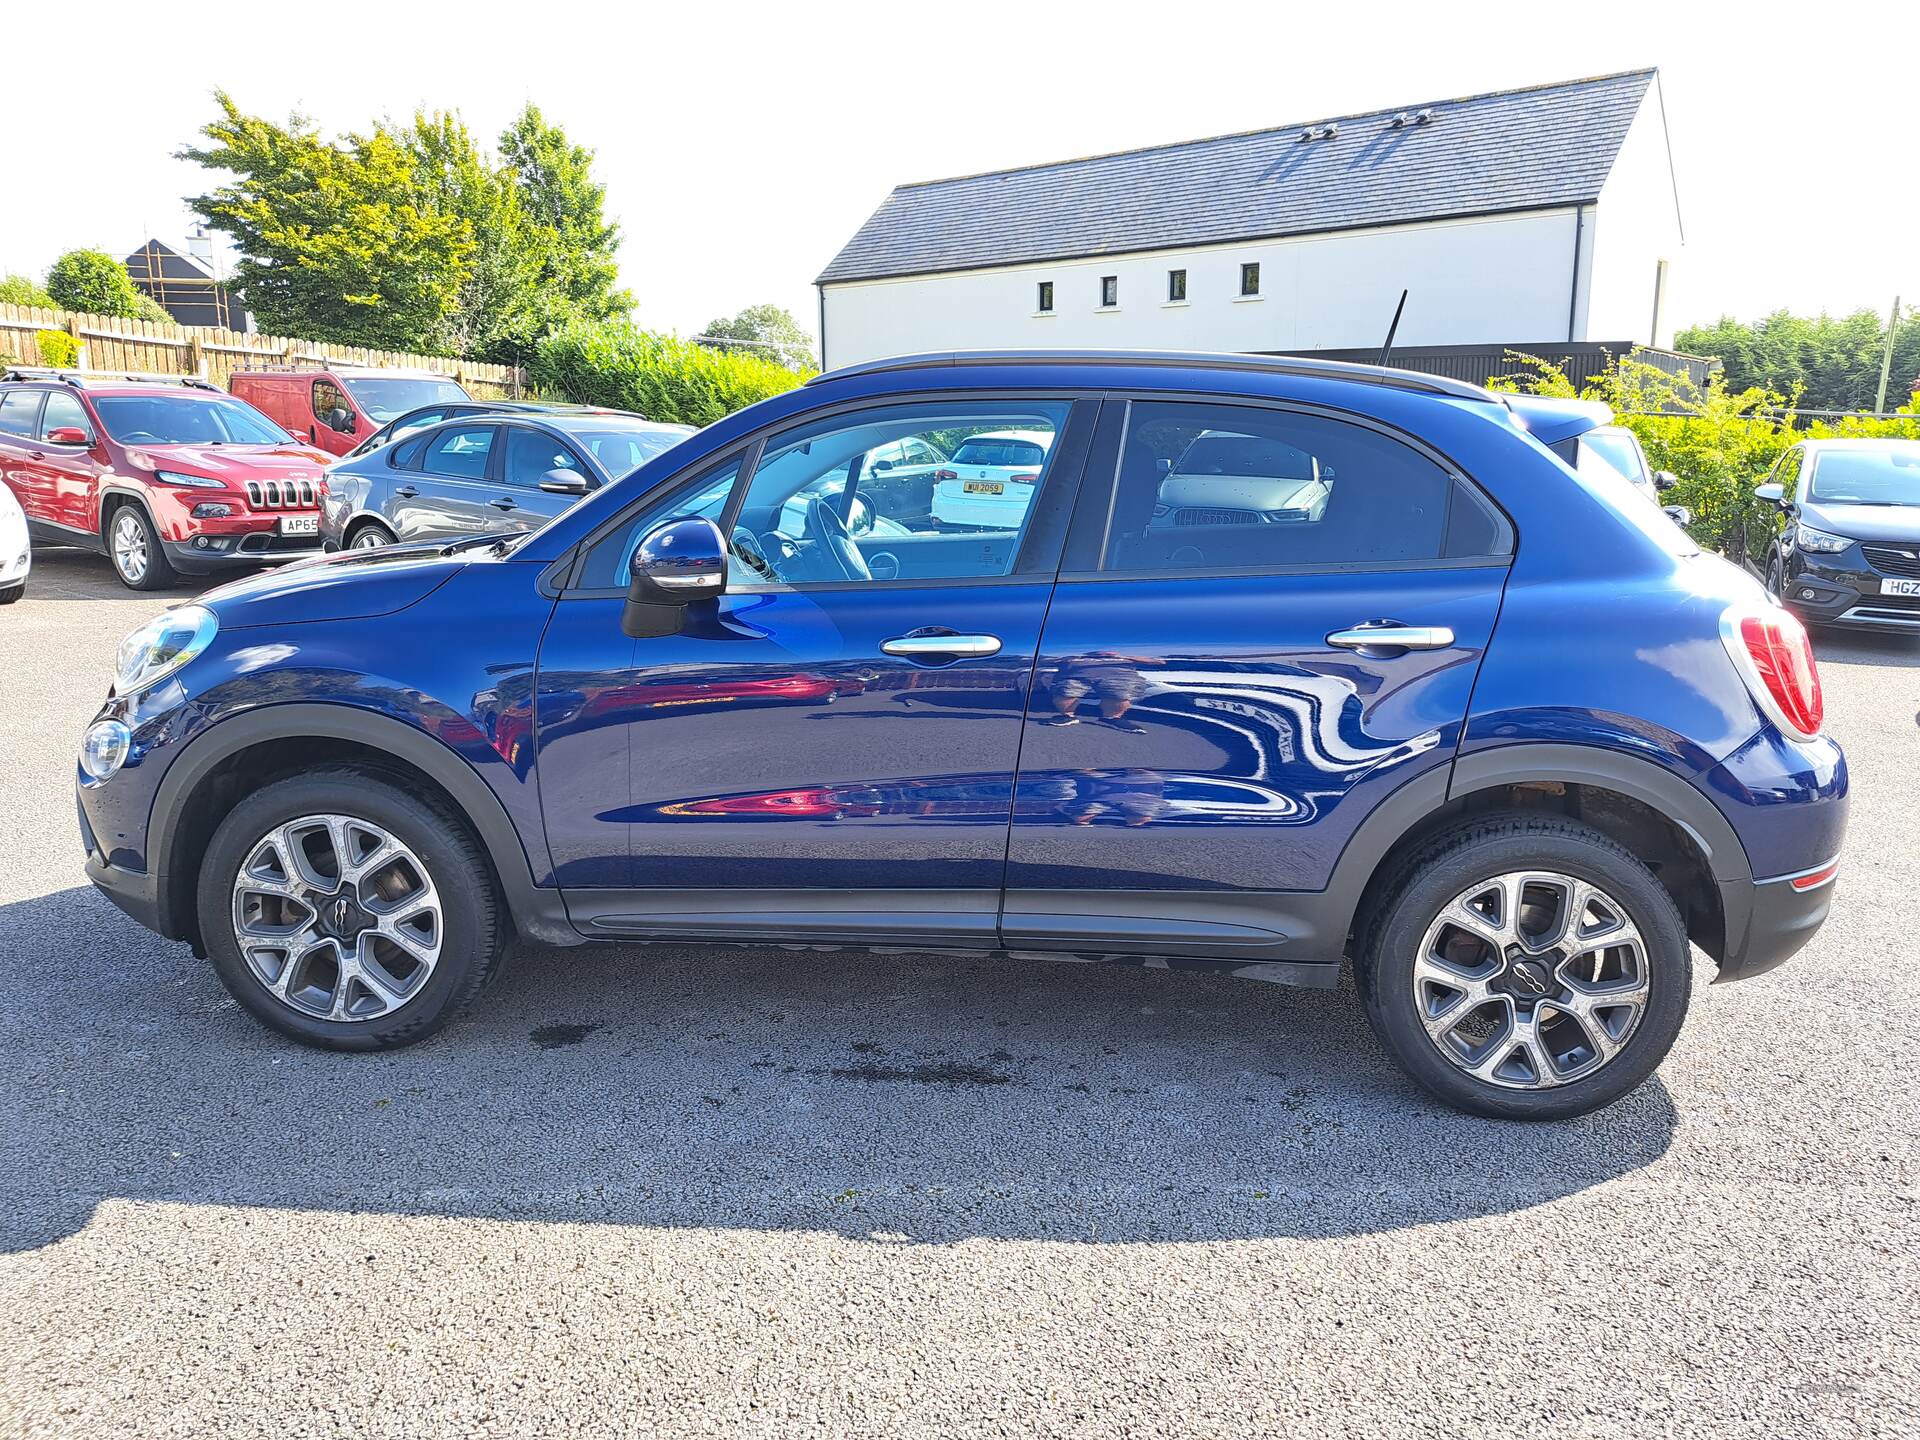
(133, 545)
(1525, 967)
(348, 913)
(368, 535)
(11, 593)
(1776, 579)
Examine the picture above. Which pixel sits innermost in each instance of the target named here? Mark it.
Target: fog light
(105, 749)
(1806, 594)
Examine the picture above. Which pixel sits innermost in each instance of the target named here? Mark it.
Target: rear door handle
(1392, 637)
(922, 644)
(406, 492)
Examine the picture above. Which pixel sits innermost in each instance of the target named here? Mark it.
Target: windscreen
(385, 398)
(619, 451)
(185, 420)
(1880, 475)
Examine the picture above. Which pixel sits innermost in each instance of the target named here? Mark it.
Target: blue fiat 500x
(1262, 665)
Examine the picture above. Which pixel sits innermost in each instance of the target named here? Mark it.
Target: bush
(617, 364)
(94, 283)
(57, 348)
(19, 290)
(1719, 443)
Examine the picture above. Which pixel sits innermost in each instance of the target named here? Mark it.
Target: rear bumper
(1776, 918)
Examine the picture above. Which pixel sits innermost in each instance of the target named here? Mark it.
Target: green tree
(93, 282)
(576, 245)
(1833, 361)
(769, 331)
(333, 242)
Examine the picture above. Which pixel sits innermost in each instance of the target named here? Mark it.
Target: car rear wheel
(369, 535)
(1526, 967)
(346, 912)
(134, 547)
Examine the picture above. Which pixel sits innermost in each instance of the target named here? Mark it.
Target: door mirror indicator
(68, 435)
(674, 565)
(565, 482)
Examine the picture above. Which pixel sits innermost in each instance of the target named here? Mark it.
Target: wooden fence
(145, 346)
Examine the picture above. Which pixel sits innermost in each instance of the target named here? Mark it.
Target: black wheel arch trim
(538, 913)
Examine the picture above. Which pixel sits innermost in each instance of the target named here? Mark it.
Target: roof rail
(1189, 359)
(81, 378)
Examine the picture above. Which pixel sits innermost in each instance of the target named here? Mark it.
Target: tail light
(1771, 650)
(1024, 479)
(945, 475)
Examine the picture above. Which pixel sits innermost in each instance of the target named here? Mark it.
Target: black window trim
(1177, 277)
(1249, 268)
(1043, 297)
(1105, 281)
(557, 579)
(1124, 402)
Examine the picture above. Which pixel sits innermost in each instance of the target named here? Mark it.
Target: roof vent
(1320, 132)
(1400, 121)
(1423, 117)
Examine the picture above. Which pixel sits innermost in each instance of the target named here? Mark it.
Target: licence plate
(984, 487)
(1900, 587)
(299, 524)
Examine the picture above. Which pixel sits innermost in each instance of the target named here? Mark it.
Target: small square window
(1045, 301)
(1250, 278)
(1176, 285)
(1109, 291)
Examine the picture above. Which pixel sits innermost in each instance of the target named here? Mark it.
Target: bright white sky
(742, 145)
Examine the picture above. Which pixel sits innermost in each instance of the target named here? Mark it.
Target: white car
(990, 480)
(16, 550)
(1228, 479)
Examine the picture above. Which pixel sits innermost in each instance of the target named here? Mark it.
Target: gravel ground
(712, 1191)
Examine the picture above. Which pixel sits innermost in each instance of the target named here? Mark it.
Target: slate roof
(1535, 148)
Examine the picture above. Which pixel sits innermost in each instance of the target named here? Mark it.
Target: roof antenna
(1387, 349)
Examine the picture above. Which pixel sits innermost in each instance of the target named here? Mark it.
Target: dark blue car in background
(1494, 732)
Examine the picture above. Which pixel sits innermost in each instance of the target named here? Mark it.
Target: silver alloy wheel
(1531, 979)
(337, 917)
(130, 545)
(371, 537)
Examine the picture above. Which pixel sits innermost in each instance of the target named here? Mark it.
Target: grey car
(482, 475)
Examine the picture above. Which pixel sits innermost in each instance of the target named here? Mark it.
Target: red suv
(163, 475)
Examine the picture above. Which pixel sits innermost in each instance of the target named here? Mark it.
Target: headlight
(162, 646)
(1819, 541)
(197, 482)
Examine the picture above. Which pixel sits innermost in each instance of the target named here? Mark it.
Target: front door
(1275, 626)
(828, 750)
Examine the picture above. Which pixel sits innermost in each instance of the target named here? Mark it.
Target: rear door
(450, 495)
(1224, 693)
(30, 481)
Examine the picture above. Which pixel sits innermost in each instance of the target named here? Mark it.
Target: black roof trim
(1186, 359)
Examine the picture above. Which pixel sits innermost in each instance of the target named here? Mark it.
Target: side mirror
(881, 466)
(565, 482)
(1678, 514)
(68, 435)
(1665, 480)
(342, 420)
(1772, 494)
(673, 565)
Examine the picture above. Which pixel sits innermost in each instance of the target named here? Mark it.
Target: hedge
(1719, 443)
(626, 368)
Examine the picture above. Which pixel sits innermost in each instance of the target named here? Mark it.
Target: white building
(1525, 218)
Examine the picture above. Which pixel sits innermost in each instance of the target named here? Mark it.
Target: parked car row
(169, 476)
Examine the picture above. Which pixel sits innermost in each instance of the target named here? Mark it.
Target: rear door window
(1205, 488)
(19, 410)
(460, 452)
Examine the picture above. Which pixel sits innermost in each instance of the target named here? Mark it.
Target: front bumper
(204, 553)
(1845, 589)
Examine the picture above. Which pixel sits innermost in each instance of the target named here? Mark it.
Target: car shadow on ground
(1866, 647)
(895, 1098)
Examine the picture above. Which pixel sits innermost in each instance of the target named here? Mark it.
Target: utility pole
(1886, 358)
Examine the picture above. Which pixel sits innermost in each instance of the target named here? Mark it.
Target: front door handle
(1392, 637)
(406, 492)
(924, 644)
(505, 502)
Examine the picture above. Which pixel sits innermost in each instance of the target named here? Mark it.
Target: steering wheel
(140, 437)
(828, 531)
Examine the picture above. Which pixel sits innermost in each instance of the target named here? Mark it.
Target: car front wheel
(134, 547)
(346, 912)
(1526, 967)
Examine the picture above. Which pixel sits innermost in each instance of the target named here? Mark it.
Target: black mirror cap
(1665, 480)
(678, 562)
(1679, 514)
